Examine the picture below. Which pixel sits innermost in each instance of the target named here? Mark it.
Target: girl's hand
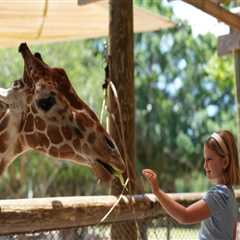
(152, 179)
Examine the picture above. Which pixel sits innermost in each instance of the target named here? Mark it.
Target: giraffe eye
(46, 103)
(17, 84)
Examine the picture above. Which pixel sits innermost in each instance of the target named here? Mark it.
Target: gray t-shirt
(222, 204)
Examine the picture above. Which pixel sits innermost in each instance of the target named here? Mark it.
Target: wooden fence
(42, 214)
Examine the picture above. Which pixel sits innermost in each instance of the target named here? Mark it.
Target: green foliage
(193, 182)
(221, 69)
(11, 63)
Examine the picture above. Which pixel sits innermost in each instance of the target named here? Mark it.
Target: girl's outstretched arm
(185, 215)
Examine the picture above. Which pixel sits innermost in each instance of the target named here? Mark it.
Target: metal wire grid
(163, 228)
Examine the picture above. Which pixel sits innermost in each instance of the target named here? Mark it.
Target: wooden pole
(121, 74)
(217, 11)
(230, 44)
(237, 81)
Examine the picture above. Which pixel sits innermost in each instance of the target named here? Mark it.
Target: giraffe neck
(11, 144)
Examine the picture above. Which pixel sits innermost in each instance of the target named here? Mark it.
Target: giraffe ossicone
(41, 111)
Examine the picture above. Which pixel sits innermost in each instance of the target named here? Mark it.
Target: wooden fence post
(230, 44)
(121, 74)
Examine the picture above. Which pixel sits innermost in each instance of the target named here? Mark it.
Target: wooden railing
(41, 214)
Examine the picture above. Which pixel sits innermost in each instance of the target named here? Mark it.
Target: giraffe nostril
(110, 143)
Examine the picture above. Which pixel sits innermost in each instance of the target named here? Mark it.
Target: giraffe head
(56, 122)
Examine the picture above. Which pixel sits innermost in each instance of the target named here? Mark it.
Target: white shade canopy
(41, 21)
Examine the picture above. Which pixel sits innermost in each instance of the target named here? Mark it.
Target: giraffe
(41, 111)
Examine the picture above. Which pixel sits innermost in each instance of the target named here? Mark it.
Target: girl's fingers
(152, 178)
(149, 173)
(148, 176)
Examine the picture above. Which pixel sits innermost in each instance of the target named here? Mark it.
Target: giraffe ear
(39, 57)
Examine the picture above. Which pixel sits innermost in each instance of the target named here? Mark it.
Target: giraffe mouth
(106, 172)
(107, 167)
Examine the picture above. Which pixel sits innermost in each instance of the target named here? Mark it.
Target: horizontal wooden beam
(217, 11)
(228, 43)
(42, 214)
(32, 215)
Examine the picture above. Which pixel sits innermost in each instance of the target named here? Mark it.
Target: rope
(45, 11)
(116, 203)
(120, 130)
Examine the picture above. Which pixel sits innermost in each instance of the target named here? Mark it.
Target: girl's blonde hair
(232, 171)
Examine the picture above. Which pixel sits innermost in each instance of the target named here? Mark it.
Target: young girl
(217, 209)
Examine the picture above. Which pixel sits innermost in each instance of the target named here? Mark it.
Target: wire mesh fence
(150, 229)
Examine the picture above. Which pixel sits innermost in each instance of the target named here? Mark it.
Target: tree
(179, 101)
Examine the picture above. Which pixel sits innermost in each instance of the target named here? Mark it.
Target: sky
(201, 22)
